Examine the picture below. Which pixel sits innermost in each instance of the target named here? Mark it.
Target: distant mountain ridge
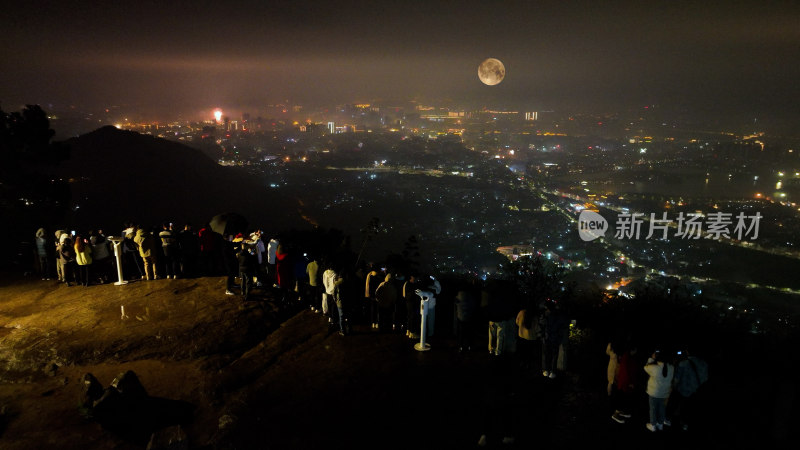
(119, 175)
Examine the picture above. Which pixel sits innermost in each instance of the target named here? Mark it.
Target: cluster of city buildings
(475, 185)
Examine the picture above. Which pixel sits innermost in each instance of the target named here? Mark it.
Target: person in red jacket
(285, 273)
(208, 249)
(626, 383)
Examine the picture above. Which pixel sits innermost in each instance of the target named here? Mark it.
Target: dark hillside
(118, 175)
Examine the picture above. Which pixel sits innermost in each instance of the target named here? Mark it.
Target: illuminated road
(540, 192)
(750, 245)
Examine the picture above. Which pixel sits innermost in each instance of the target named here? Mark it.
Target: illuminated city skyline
(720, 60)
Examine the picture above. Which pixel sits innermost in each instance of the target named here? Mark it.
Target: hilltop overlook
(261, 375)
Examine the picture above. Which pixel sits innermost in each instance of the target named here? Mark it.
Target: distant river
(714, 185)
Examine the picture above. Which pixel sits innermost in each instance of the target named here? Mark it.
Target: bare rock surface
(260, 375)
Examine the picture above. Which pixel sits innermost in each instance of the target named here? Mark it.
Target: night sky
(186, 57)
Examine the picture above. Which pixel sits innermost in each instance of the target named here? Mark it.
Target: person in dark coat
(188, 251)
(208, 250)
(502, 312)
(466, 313)
(101, 254)
(528, 338)
(412, 306)
(285, 273)
(626, 382)
(349, 294)
(301, 279)
(555, 331)
(690, 373)
(248, 264)
(169, 250)
(230, 263)
(386, 297)
(374, 279)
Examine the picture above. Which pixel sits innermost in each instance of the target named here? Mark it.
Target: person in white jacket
(659, 386)
(332, 282)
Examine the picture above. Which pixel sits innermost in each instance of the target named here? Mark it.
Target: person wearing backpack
(691, 372)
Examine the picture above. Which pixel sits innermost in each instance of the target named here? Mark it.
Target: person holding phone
(659, 386)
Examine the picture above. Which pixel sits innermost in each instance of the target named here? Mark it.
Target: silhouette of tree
(25, 138)
(28, 191)
(536, 279)
(411, 253)
(373, 229)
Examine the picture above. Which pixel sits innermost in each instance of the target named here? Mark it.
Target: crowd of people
(87, 258)
(531, 332)
(385, 298)
(673, 379)
(329, 284)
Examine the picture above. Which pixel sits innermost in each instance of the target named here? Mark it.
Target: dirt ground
(264, 375)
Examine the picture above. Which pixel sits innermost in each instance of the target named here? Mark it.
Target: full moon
(491, 71)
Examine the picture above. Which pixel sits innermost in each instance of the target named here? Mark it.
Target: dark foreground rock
(244, 375)
(169, 438)
(125, 409)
